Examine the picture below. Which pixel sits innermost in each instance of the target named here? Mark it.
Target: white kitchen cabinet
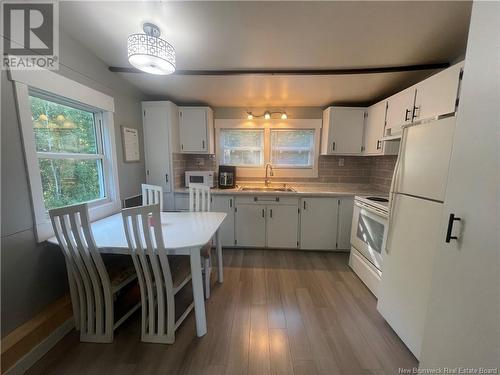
(437, 95)
(161, 139)
(250, 225)
(399, 111)
(224, 203)
(346, 205)
(318, 223)
(342, 132)
(196, 126)
(374, 132)
(282, 226)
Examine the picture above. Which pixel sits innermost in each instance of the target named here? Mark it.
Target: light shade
(149, 53)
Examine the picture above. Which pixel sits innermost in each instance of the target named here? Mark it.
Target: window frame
(267, 126)
(52, 86)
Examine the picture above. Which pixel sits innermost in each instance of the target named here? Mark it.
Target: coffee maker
(227, 176)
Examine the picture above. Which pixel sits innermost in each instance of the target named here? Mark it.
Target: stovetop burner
(378, 199)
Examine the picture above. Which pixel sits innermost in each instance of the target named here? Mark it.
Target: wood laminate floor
(278, 312)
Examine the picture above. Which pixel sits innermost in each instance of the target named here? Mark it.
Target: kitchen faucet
(269, 168)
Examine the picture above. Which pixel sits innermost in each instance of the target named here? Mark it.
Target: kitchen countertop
(301, 189)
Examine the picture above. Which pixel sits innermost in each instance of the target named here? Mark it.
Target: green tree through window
(69, 153)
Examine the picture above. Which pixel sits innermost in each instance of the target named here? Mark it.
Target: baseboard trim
(30, 358)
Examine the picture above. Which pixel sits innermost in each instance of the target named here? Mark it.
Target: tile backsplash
(373, 170)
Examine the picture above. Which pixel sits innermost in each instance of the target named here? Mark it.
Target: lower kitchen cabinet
(250, 225)
(224, 203)
(318, 223)
(346, 207)
(325, 223)
(282, 226)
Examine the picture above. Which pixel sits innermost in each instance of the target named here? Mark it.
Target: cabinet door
(224, 203)
(282, 226)
(193, 129)
(318, 223)
(250, 224)
(156, 146)
(346, 206)
(374, 129)
(346, 127)
(399, 110)
(437, 95)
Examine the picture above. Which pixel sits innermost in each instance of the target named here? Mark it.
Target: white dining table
(184, 233)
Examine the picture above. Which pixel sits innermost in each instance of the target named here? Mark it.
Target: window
(292, 148)
(69, 145)
(69, 148)
(242, 147)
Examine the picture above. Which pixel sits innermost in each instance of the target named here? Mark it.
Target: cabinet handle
(333, 146)
(203, 145)
(415, 113)
(166, 178)
(182, 147)
(230, 203)
(271, 213)
(263, 213)
(304, 205)
(408, 112)
(451, 221)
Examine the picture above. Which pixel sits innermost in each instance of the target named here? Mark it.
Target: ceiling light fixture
(149, 53)
(267, 115)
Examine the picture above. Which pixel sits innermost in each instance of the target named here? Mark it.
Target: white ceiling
(238, 35)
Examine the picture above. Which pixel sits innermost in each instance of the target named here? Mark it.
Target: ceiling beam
(285, 72)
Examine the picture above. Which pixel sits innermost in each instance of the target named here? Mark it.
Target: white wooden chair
(200, 201)
(166, 299)
(152, 194)
(102, 298)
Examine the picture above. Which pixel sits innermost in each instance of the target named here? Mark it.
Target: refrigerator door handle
(394, 186)
(451, 221)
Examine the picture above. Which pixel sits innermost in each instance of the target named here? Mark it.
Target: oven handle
(371, 209)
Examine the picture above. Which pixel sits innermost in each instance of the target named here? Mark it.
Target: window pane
(59, 128)
(242, 147)
(70, 181)
(292, 148)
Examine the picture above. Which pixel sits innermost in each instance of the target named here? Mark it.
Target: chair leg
(208, 271)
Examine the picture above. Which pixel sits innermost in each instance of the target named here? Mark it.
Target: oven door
(368, 233)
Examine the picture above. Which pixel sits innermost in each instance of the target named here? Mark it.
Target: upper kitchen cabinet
(161, 139)
(196, 126)
(342, 132)
(437, 95)
(399, 111)
(374, 132)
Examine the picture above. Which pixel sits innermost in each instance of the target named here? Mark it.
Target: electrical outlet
(200, 162)
(341, 162)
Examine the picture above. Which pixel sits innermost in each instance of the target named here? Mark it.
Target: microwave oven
(206, 178)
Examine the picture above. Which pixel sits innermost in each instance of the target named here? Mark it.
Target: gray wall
(34, 275)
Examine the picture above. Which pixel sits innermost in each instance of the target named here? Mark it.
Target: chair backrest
(145, 240)
(72, 229)
(199, 197)
(152, 194)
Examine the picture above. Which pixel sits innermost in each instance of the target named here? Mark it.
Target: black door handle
(451, 220)
(408, 112)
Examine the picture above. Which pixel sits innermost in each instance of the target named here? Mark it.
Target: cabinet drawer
(267, 199)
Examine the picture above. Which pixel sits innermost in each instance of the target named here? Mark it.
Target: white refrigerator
(417, 196)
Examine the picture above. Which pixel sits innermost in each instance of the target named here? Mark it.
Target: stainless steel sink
(268, 188)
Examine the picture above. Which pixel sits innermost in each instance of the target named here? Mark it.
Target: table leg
(199, 298)
(220, 270)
